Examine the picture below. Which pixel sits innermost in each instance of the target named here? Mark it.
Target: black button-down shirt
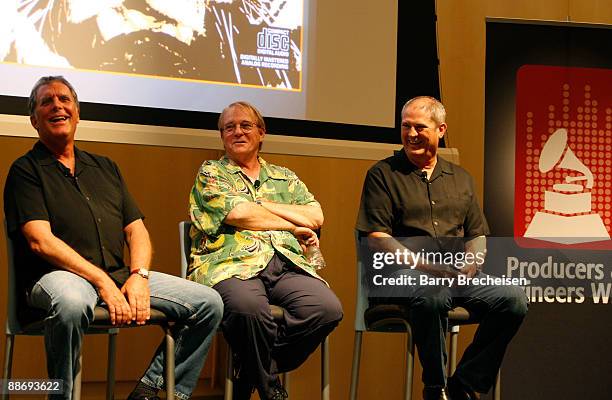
(398, 200)
(87, 210)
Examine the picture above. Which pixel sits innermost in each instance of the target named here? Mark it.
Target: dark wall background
(562, 351)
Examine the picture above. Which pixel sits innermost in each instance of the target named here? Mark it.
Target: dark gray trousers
(500, 310)
(264, 347)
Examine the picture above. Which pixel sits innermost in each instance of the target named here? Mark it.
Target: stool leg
(110, 369)
(285, 380)
(229, 384)
(76, 384)
(8, 362)
(452, 364)
(497, 387)
(355, 367)
(213, 356)
(409, 363)
(325, 369)
(170, 352)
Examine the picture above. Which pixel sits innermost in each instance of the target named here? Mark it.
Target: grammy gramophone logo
(567, 216)
(563, 176)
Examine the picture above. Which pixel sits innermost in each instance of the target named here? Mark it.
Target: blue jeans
(69, 301)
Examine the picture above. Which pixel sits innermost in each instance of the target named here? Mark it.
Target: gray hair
(45, 80)
(433, 106)
(259, 121)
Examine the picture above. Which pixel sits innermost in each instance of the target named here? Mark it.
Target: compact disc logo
(563, 167)
(273, 41)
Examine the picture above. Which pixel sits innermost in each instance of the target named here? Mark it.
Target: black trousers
(500, 310)
(264, 347)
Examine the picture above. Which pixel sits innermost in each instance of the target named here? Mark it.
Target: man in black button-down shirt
(415, 194)
(69, 213)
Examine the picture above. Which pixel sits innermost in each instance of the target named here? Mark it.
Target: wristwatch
(142, 272)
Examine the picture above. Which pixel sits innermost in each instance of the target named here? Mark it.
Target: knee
(214, 306)
(331, 311)
(433, 303)
(247, 305)
(71, 308)
(516, 304)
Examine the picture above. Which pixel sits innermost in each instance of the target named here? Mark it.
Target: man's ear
(34, 122)
(442, 130)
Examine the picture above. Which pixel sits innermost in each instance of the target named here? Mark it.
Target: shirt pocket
(460, 202)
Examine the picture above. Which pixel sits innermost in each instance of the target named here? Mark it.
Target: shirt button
(99, 219)
(436, 223)
(87, 197)
(433, 203)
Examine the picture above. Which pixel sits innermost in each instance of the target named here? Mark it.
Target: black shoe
(435, 393)
(458, 391)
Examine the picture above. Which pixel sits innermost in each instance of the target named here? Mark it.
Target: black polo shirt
(88, 211)
(397, 200)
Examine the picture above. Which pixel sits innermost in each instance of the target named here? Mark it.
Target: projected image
(254, 43)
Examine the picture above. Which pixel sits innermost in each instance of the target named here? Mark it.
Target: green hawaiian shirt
(220, 251)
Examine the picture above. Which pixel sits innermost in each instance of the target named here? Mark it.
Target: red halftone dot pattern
(583, 139)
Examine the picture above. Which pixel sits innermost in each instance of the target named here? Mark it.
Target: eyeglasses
(245, 127)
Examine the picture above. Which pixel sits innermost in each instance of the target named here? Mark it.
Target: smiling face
(56, 114)
(420, 133)
(240, 134)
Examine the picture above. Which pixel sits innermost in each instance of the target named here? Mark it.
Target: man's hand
(118, 307)
(469, 270)
(136, 290)
(48, 246)
(306, 236)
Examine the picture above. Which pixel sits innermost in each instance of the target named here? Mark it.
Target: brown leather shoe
(435, 393)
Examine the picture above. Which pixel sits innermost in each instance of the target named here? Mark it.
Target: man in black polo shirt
(69, 213)
(417, 195)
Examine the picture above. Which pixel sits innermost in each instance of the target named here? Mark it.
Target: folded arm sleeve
(23, 196)
(475, 223)
(376, 209)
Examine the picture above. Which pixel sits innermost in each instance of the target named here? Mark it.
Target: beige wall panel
(594, 11)
(556, 10)
(340, 73)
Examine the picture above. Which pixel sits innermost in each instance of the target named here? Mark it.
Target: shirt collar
(267, 170)
(44, 156)
(442, 166)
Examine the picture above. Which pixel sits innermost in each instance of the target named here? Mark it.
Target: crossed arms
(301, 220)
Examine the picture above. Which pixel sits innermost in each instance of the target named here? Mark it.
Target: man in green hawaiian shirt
(252, 223)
